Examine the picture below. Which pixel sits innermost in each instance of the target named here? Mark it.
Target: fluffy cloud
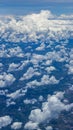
(29, 74)
(50, 110)
(50, 69)
(16, 94)
(5, 121)
(41, 47)
(31, 125)
(11, 52)
(30, 101)
(16, 125)
(49, 128)
(12, 97)
(70, 65)
(43, 25)
(6, 80)
(16, 51)
(45, 80)
(46, 45)
(13, 67)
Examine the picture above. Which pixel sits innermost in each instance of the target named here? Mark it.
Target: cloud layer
(42, 26)
(36, 62)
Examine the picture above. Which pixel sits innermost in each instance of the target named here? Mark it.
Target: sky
(32, 2)
(25, 6)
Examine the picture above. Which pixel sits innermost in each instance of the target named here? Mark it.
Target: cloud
(17, 67)
(17, 51)
(31, 125)
(6, 80)
(42, 26)
(43, 44)
(41, 47)
(49, 128)
(45, 80)
(11, 52)
(49, 110)
(29, 74)
(5, 121)
(16, 125)
(30, 101)
(70, 63)
(16, 94)
(50, 69)
(13, 67)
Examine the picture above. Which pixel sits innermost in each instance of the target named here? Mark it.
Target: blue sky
(25, 6)
(32, 2)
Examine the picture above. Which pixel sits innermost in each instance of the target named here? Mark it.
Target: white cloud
(29, 74)
(13, 67)
(41, 98)
(50, 110)
(45, 80)
(41, 47)
(50, 69)
(11, 97)
(5, 121)
(11, 52)
(37, 58)
(30, 101)
(16, 94)
(16, 125)
(70, 65)
(31, 125)
(41, 27)
(49, 128)
(35, 26)
(17, 67)
(6, 80)
(66, 17)
(49, 80)
(23, 64)
(16, 51)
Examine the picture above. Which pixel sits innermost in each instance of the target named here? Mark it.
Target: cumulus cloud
(16, 94)
(50, 110)
(34, 27)
(41, 47)
(16, 51)
(50, 69)
(11, 52)
(13, 67)
(16, 125)
(70, 65)
(31, 125)
(45, 80)
(46, 44)
(30, 101)
(6, 80)
(29, 74)
(49, 128)
(5, 121)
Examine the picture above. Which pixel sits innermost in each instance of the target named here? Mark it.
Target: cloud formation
(42, 26)
(6, 80)
(5, 121)
(38, 54)
(50, 110)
